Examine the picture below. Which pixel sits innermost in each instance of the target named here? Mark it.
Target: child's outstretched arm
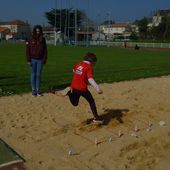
(95, 85)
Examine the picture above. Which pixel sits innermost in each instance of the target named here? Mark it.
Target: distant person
(83, 74)
(36, 52)
(125, 44)
(137, 47)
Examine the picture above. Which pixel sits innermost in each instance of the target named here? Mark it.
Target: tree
(162, 31)
(65, 19)
(133, 36)
(166, 23)
(143, 27)
(154, 33)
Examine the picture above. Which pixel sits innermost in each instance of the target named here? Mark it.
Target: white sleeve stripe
(94, 84)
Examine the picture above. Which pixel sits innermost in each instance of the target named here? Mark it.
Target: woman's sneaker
(39, 94)
(34, 93)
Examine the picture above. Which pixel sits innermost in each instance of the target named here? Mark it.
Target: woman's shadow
(113, 114)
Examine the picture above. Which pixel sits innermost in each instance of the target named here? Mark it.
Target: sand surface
(43, 129)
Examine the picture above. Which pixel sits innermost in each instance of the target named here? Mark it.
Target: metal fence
(104, 43)
(131, 44)
(149, 45)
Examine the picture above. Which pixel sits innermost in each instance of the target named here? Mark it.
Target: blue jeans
(36, 70)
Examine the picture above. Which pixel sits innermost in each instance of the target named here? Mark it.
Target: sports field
(114, 64)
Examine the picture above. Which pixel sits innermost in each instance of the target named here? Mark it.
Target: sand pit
(43, 129)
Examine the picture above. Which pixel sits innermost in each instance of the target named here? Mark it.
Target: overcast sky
(99, 10)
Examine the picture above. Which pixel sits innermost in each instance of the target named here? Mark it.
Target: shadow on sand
(113, 114)
(110, 114)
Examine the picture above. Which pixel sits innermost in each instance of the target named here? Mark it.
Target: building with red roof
(17, 29)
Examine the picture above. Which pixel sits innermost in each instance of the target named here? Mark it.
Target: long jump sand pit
(51, 134)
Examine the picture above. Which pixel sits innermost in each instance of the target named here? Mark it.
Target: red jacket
(36, 49)
(82, 72)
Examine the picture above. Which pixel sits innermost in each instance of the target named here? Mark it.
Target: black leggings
(74, 97)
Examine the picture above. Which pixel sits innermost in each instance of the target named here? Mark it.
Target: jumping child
(83, 74)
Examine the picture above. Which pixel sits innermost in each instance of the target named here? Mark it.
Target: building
(157, 18)
(134, 28)
(18, 30)
(51, 36)
(163, 12)
(98, 36)
(84, 36)
(117, 28)
(3, 32)
(114, 30)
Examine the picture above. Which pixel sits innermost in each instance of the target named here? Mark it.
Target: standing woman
(36, 52)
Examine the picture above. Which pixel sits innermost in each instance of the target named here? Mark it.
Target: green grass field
(113, 65)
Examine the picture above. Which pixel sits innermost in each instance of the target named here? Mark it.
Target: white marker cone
(148, 129)
(119, 133)
(134, 135)
(95, 141)
(110, 139)
(136, 129)
(70, 150)
(150, 123)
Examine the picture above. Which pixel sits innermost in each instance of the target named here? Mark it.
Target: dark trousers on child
(74, 96)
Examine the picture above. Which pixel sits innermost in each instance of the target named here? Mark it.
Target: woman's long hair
(35, 36)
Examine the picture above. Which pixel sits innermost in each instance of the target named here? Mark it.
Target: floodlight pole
(60, 14)
(75, 26)
(65, 27)
(55, 34)
(87, 24)
(109, 24)
(68, 30)
(99, 27)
